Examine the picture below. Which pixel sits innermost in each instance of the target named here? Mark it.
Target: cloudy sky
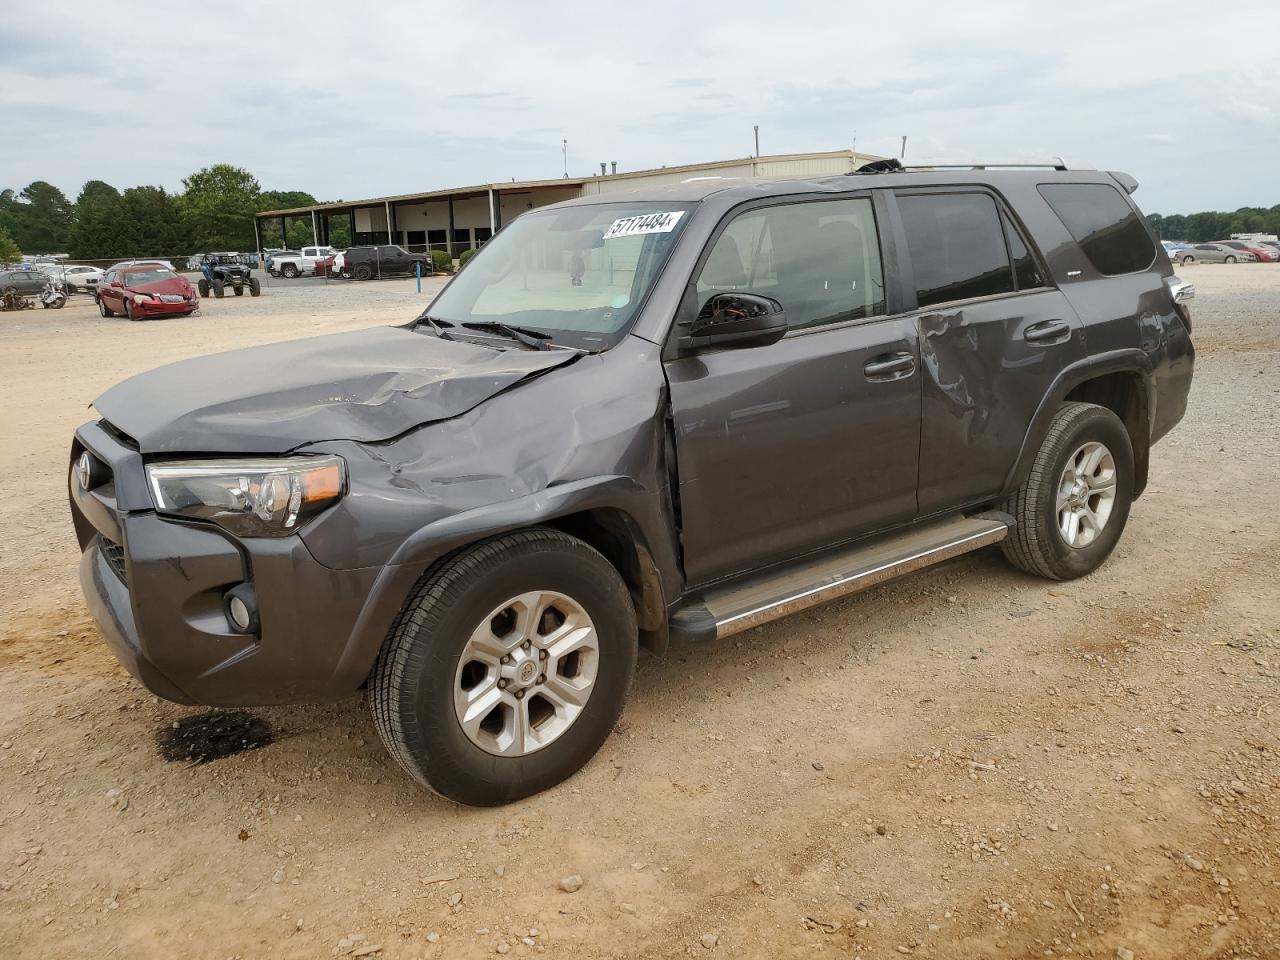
(364, 99)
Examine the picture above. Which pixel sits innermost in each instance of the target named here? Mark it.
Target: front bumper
(155, 586)
(158, 307)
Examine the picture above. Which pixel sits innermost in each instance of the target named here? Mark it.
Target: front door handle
(890, 366)
(1047, 331)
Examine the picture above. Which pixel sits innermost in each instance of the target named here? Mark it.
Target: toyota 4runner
(659, 417)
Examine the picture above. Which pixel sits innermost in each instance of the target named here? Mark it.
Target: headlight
(250, 498)
(142, 296)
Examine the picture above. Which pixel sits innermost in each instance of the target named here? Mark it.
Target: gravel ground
(966, 763)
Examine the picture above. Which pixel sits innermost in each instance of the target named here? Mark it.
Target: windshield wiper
(534, 339)
(441, 327)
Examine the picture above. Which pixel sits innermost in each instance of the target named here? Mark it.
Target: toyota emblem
(84, 470)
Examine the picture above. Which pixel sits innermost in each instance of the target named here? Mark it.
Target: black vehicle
(365, 263)
(222, 270)
(627, 423)
(24, 283)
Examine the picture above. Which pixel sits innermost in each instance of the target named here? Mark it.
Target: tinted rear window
(1109, 231)
(957, 246)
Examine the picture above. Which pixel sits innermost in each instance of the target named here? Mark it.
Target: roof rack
(894, 166)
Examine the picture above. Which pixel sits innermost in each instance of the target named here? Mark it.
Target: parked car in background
(389, 260)
(269, 259)
(305, 261)
(1261, 253)
(142, 291)
(81, 278)
(25, 283)
(1171, 247)
(1212, 253)
(142, 263)
(486, 514)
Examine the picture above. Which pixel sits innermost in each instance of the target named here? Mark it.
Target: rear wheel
(507, 667)
(218, 288)
(1073, 507)
(289, 270)
(1185, 260)
(255, 288)
(104, 309)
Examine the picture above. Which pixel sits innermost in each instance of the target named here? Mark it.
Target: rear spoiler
(1125, 180)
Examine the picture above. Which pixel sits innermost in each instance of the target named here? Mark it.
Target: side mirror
(736, 320)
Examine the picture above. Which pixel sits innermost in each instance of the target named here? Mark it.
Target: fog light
(241, 607)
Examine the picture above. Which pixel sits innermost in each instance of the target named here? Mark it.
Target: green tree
(95, 235)
(152, 224)
(217, 206)
(9, 251)
(41, 218)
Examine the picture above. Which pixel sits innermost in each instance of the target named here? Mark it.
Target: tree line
(213, 211)
(1208, 226)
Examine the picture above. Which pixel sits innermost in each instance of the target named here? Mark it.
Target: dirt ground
(966, 763)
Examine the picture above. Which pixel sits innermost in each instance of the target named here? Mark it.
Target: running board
(828, 576)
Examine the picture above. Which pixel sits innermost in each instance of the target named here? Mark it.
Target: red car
(145, 290)
(1263, 253)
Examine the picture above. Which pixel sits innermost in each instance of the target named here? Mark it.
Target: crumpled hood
(366, 385)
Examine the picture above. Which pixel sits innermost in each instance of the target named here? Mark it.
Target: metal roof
(509, 186)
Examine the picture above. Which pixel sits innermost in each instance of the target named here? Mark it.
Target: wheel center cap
(526, 672)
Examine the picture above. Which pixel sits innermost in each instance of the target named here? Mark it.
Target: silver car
(1211, 253)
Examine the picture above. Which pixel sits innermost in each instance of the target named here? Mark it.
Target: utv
(222, 270)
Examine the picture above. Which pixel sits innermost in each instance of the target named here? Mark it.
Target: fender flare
(438, 539)
(1131, 360)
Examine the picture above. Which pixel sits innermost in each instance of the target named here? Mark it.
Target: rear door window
(957, 246)
(1108, 229)
(819, 259)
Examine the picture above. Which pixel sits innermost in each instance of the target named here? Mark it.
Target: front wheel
(239, 289)
(129, 311)
(219, 288)
(1230, 260)
(507, 668)
(203, 286)
(255, 288)
(1073, 506)
(363, 272)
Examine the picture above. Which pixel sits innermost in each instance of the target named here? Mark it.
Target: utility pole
(756, 128)
(564, 148)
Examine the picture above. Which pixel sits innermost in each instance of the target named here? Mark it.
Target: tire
(289, 271)
(104, 309)
(1229, 260)
(239, 289)
(255, 288)
(219, 289)
(203, 286)
(420, 668)
(363, 272)
(344, 273)
(1185, 260)
(128, 310)
(1038, 543)
(59, 303)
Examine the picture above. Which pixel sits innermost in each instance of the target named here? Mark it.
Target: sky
(355, 100)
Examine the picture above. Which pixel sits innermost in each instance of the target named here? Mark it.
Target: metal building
(463, 217)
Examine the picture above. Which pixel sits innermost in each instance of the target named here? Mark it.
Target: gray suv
(631, 421)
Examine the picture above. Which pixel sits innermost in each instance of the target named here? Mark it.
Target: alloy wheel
(526, 673)
(1086, 494)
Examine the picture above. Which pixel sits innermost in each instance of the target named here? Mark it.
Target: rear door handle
(890, 366)
(1047, 330)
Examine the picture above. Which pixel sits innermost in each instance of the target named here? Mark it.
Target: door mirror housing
(736, 320)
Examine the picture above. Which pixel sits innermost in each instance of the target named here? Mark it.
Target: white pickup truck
(289, 264)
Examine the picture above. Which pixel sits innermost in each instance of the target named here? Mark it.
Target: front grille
(113, 553)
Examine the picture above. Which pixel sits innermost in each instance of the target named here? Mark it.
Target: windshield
(134, 277)
(578, 274)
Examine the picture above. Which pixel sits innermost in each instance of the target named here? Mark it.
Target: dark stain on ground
(212, 736)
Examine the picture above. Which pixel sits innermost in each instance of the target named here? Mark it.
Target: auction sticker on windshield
(647, 223)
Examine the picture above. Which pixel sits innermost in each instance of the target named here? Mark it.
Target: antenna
(564, 148)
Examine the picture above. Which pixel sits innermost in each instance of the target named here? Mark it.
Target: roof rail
(894, 166)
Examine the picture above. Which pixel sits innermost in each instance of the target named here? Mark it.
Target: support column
(257, 240)
(450, 238)
(351, 218)
(493, 213)
(315, 234)
(387, 205)
(284, 236)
